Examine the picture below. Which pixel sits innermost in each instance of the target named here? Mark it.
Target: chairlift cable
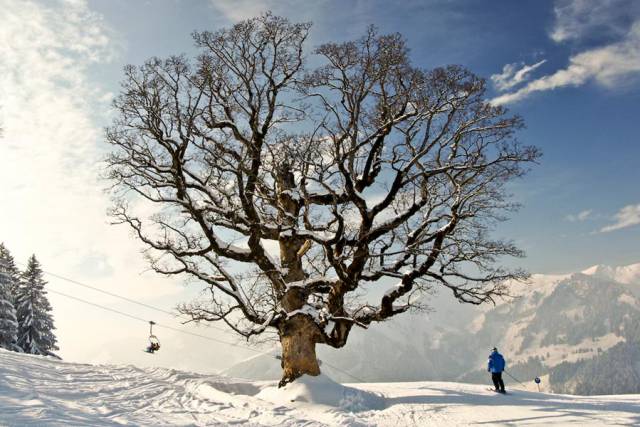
(122, 313)
(149, 306)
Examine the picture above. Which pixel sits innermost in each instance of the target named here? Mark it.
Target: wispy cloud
(580, 216)
(577, 19)
(51, 201)
(238, 10)
(610, 65)
(514, 74)
(628, 216)
(52, 144)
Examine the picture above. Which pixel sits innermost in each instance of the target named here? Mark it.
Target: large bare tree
(294, 193)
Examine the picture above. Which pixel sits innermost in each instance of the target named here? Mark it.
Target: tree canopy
(292, 191)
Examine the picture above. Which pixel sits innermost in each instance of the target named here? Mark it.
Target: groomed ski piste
(37, 390)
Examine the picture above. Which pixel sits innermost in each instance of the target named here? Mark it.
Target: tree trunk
(298, 337)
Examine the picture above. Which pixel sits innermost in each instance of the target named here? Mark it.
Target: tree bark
(298, 337)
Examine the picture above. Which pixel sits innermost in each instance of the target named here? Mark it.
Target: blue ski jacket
(496, 363)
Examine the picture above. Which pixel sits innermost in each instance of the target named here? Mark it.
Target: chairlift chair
(154, 342)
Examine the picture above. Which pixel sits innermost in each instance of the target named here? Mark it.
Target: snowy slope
(41, 391)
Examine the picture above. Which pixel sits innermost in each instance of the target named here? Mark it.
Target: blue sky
(571, 68)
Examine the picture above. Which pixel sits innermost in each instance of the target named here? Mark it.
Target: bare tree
(293, 194)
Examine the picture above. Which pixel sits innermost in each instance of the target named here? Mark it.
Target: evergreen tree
(11, 270)
(8, 322)
(35, 334)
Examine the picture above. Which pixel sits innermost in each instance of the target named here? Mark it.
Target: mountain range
(578, 332)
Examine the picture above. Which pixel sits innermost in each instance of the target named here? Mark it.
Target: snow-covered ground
(42, 391)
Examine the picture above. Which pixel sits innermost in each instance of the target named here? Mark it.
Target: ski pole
(514, 378)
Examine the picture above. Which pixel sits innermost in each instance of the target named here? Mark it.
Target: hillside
(41, 391)
(562, 329)
(580, 332)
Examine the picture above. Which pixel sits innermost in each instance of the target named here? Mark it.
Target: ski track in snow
(42, 391)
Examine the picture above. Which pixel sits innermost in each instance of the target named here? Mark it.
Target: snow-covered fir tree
(35, 334)
(8, 321)
(11, 270)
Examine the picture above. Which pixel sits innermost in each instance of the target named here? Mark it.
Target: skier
(496, 365)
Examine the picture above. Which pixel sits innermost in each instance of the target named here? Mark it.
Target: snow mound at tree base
(322, 390)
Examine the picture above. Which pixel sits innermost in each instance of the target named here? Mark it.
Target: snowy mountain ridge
(627, 274)
(36, 390)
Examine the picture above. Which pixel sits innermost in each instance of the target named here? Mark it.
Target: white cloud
(238, 10)
(514, 74)
(51, 149)
(609, 66)
(614, 62)
(628, 216)
(580, 216)
(51, 201)
(577, 19)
